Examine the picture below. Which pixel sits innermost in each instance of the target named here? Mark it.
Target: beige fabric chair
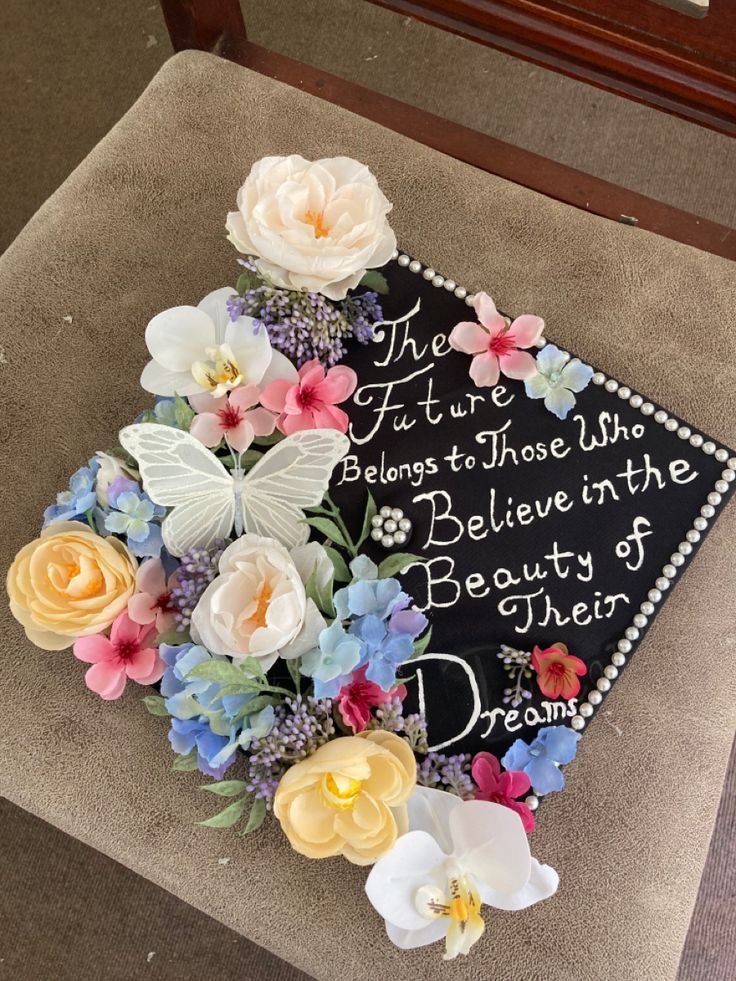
(139, 227)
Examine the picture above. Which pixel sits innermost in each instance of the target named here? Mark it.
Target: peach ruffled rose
(348, 798)
(69, 583)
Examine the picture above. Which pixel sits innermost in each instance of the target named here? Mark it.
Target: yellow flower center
(461, 907)
(340, 792)
(264, 598)
(317, 221)
(458, 910)
(221, 373)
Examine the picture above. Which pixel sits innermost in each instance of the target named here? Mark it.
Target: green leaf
(370, 512)
(183, 413)
(328, 528)
(225, 788)
(321, 597)
(255, 705)
(221, 671)
(320, 509)
(125, 458)
(227, 818)
(342, 573)
(173, 638)
(421, 645)
(156, 705)
(294, 664)
(275, 437)
(248, 280)
(188, 762)
(247, 687)
(376, 281)
(256, 817)
(249, 459)
(252, 667)
(395, 563)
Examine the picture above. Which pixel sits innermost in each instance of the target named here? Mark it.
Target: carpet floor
(68, 70)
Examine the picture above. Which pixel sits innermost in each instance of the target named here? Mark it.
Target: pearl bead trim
(678, 560)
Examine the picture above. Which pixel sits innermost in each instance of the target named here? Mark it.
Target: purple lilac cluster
(450, 773)
(197, 569)
(302, 725)
(390, 716)
(305, 325)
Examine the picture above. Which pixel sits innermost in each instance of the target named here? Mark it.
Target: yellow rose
(69, 583)
(348, 798)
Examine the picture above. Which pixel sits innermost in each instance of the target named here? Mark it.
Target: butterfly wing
(180, 473)
(291, 476)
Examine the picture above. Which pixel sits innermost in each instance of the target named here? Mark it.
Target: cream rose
(348, 798)
(69, 583)
(258, 606)
(312, 226)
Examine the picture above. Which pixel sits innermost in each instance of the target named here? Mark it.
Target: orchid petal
(411, 939)
(177, 337)
(541, 884)
(429, 810)
(215, 306)
(251, 348)
(491, 844)
(161, 381)
(415, 860)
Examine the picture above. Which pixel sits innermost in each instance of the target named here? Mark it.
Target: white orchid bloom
(199, 349)
(457, 855)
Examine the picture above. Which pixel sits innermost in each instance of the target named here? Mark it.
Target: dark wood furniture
(218, 26)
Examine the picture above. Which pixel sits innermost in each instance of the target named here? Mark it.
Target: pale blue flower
(330, 665)
(377, 597)
(364, 568)
(133, 515)
(541, 759)
(382, 650)
(558, 377)
(76, 501)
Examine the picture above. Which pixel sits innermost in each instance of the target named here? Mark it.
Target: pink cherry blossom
(127, 653)
(502, 788)
(151, 603)
(233, 417)
(359, 696)
(495, 344)
(312, 402)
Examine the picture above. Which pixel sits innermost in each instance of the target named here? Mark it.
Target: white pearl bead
(428, 273)
(631, 634)
(728, 475)
(377, 521)
(395, 254)
(654, 595)
(397, 514)
(669, 570)
(639, 620)
(647, 608)
(624, 645)
(647, 409)
(696, 440)
(624, 392)
(438, 280)
(685, 548)
(595, 697)
(385, 511)
(636, 401)
(611, 385)
(661, 583)
(709, 448)
(671, 425)
(450, 285)
(603, 684)
(598, 378)
(693, 536)
(400, 537)
(470, 299)
(415, 266)
(577, 722)
(721, 455)
(677, 560)
(540, 342)
(722, 486)
(707, 510)
(405, 525)
(460, 292)
(660, 416)
(714, 498)
(387, 541)
(611, 672)
(732, 462)
(532, 802)
(586, 710)
(700, 523)
(404, 260)
(618, 659)
(389, 526)
(684, 432)
(377, 534)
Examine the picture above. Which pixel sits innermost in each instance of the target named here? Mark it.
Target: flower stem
(337, 517)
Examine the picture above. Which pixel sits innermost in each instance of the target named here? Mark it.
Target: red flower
(502, 788)
(356, 700)
(557, 671)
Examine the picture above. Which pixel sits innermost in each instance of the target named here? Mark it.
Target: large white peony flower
(457, 856)
(258, 606)
(199, 349)
(312, 226)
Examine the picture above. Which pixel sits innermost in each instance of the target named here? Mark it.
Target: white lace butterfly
(207, 501)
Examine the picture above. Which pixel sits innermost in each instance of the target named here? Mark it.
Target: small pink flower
(356, 700)
(152, 602)
(494, 343)
(311, 403)
(502, 788)
(233, 417)
(126, 653)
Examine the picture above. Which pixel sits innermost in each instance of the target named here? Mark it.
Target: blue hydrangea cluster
(552, 747)
(80, 498)
(131, 514)
(204, 719)
(307, 325)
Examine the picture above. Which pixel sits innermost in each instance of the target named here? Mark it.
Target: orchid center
(220, 373)
(459, 903)
(340, 792)
(317, 220)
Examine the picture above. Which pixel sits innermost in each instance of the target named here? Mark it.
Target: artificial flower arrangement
(205, 555)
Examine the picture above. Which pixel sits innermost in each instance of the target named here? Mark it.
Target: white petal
(252, 349)
(576, 375)
(179, 336)
(280, 367)
(161, 381)
(537, 387)
(491, 844)
(559, 402)
(308, 636)
(410, 939)
(429, 810)
(415, 861)
(542, 884)
(215, 306)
